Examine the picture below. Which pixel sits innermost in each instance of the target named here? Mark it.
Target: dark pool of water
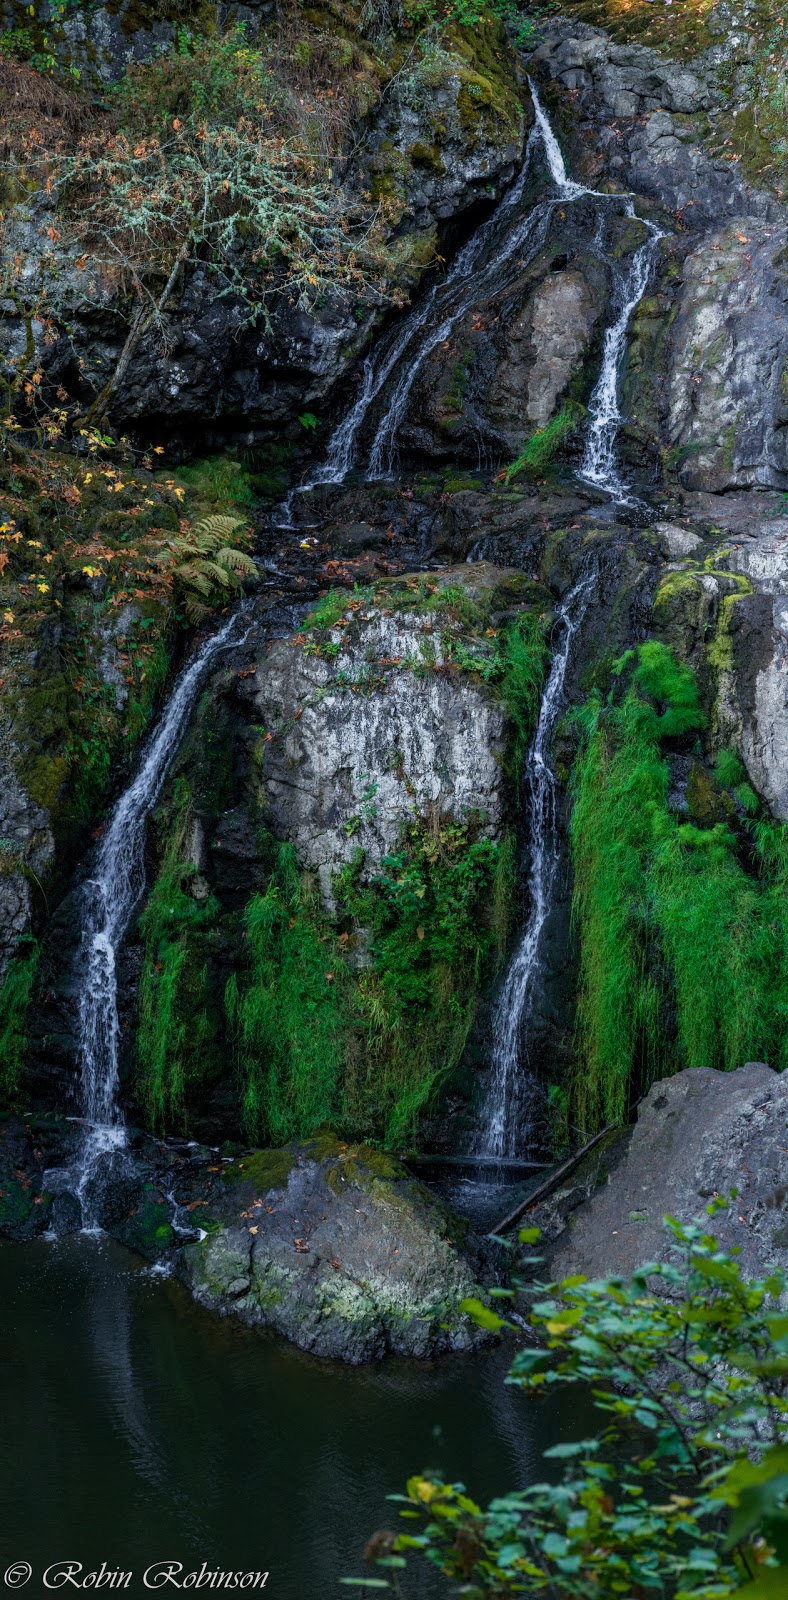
(136, 1428)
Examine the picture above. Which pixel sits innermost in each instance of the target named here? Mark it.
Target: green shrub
(683, 1494)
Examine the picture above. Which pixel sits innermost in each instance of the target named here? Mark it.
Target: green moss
(264, 1170)
(683, 944)
(704, 799)
(217, 482)
(180, 1021)
(544, 445)
(290, 1012)
(426, 917)
(16, 993)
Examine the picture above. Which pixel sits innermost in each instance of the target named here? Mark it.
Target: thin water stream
(110, 897)
(507, 1124)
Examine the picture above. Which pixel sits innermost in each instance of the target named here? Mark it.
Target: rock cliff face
(697, 1135)
(437, 144)
(369, 723)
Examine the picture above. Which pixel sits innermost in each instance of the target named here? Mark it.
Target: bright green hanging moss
(291, 1016)
(179, 1022)
(15, 996)
(436, 917)
(683, 934)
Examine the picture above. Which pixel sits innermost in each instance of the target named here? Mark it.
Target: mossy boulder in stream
(335, 1247)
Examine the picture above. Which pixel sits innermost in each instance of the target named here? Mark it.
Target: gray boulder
(336, 1248)
(699, 1134)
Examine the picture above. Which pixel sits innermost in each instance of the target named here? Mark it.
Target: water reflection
(136, 1428)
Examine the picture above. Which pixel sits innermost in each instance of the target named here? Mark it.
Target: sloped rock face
(728, 383)
(336, 1248)
(369, 722)
(698, 1135)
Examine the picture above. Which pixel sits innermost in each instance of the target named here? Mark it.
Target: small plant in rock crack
(207, 563)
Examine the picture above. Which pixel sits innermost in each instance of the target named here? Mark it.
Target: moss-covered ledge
(335, 1247)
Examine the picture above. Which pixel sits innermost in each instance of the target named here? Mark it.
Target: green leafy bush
(683, 1494)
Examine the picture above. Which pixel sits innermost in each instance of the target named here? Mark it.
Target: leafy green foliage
(206, 563)
(544, 445)
(688, 1361)
(291, 1014)
(16, 992)
(675, 927)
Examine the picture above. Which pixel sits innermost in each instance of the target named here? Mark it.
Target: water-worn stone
(699, 1134)
(336, 1248)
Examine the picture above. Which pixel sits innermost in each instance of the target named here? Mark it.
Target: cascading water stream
(110, 896)
(480, 270)
(599, 466)
(507, 1114)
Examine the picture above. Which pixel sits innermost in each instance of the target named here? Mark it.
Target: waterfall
(480, 270)
(599, 466)
(507, 1116)
(445, 300)
(110, 896)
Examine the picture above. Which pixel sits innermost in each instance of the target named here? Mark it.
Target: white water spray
(111, 895)
(599, 466)
(508, 1116)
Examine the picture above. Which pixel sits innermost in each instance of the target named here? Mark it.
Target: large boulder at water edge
(335, 1247)
(699, 1134)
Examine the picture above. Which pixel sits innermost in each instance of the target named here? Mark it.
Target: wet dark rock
(29, 1146)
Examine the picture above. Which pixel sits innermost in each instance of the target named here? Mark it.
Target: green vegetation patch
(180, 1018)
(682, 928)
(545, 444)
(16, 993)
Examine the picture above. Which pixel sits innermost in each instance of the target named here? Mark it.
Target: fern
(207, 563)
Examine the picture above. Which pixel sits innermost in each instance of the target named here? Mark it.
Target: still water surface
(136, 1428)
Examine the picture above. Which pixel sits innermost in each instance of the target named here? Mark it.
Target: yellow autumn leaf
(8, 616)
(422, 1489)
(179, 493)
(43, 588)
